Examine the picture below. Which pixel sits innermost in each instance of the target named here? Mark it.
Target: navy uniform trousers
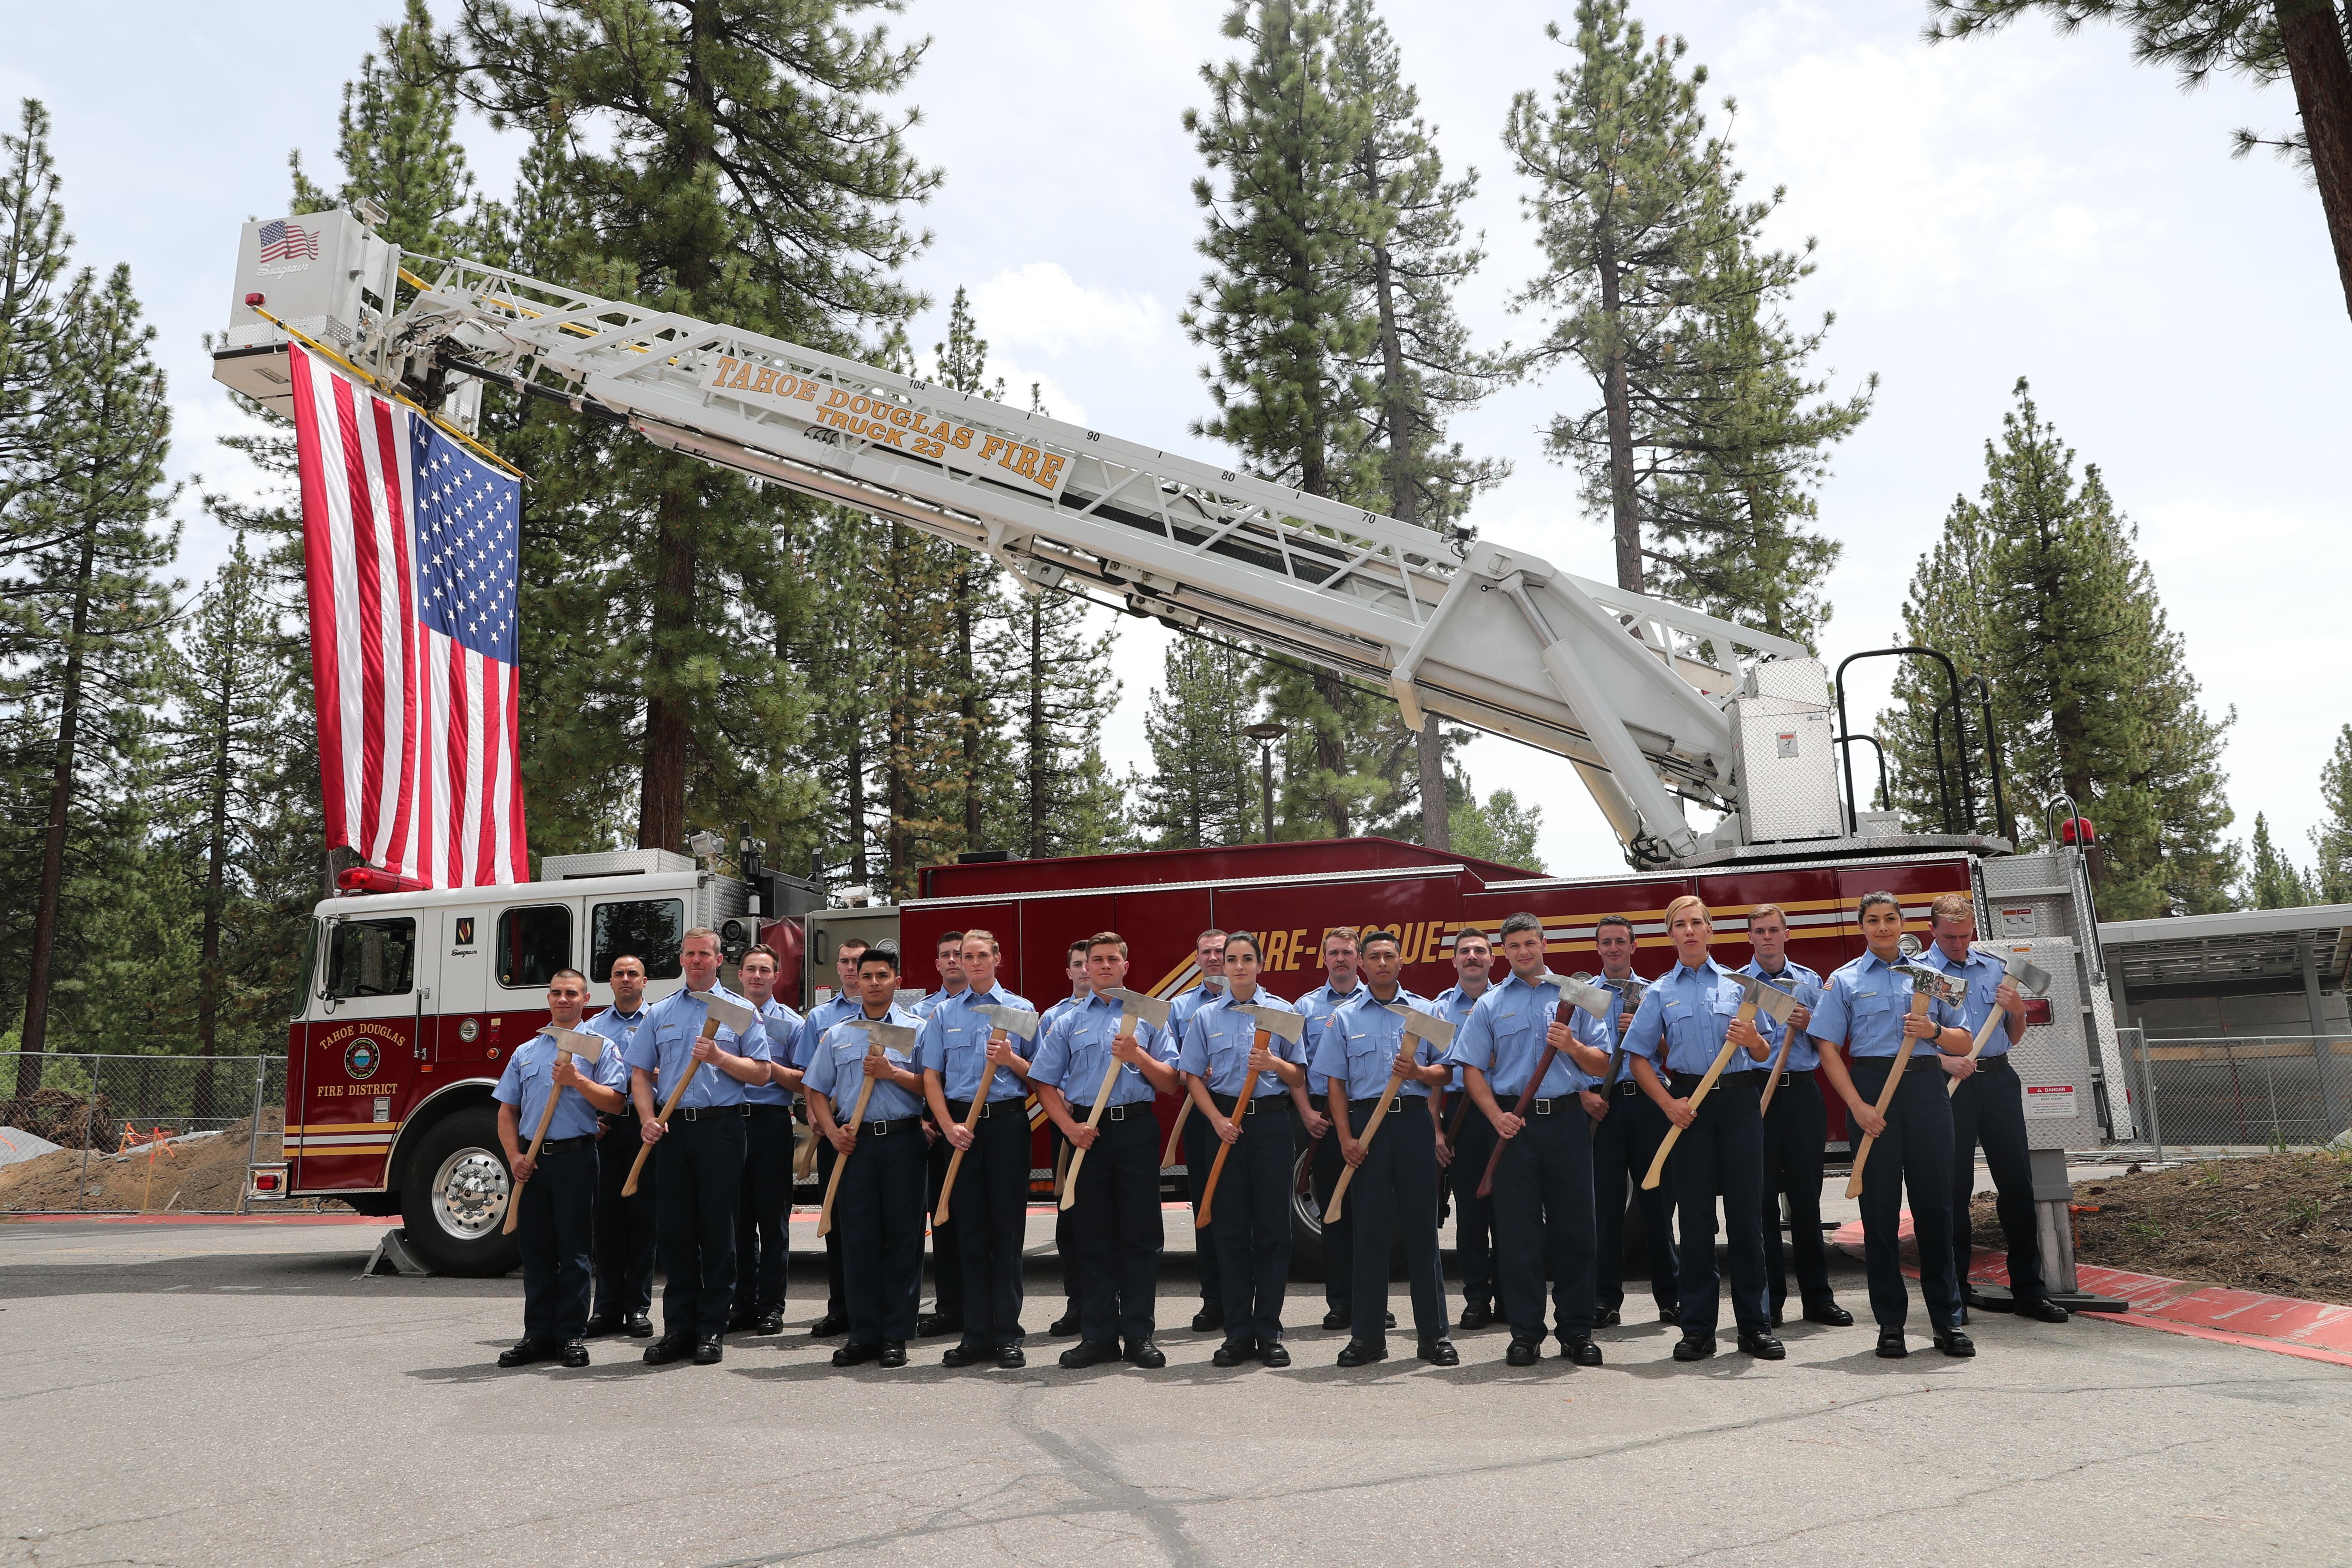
(1473, 1216)
(1394, 1195)
(991, 1216)
(879, 1214)
(1252, 1220)
(557, 1228)
(701, 1163)
(625, 1227)
(1065, 1234)
(947, 1264)
(1323, 1167)
(1199, 1152)
(764, 1212)
(1625, 1141)
(1795, 1128)
(1989, 1109)
(1543, 1220)
(1115, 1229)
(1915, 1152)
(1722, 1152)
(836, 1295)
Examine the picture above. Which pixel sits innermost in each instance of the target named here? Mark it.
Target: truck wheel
(454, 1197)
(1306, 1215)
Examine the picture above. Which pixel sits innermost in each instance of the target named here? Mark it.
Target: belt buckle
(1114, 1113)
(880, 1128)
(1249, 1105)
(1541, 1107)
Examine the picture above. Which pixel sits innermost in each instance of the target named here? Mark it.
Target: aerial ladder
(1658, 707)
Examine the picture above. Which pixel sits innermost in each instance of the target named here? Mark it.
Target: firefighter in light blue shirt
(1394, 1192)
(626, 1227)
(967, 1060)
(843, 1005)
(879, 1208)
(1200, 1145)
(699, 1152)
(763, 1209)
(1796, 1129)
(1687, 1018)
(1343, 983)
(556, 1193)
(1116, 1231)
(946, 1316)
(1625, 1139)
(1065, 1239)
(1466, 1139)
(1861, 1022)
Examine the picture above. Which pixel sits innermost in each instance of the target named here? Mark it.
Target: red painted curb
(198, 1219)
(2284, 1325)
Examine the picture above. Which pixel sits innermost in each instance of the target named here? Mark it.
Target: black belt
(1625, 1086)
(1249, 1107)
(1111, 1113)
(557, 1145)
(1546, 1107)
(884, 1129)
(759, 1107)
(703, 1112)
(960, 1109)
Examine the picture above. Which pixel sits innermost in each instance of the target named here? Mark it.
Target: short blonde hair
(1688, 901)
(1760, 910)
(1953, 907)
(706, 933)
(974, 933)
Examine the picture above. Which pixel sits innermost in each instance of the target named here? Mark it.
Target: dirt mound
(2278, 1223)
(204, 1174)
(60, 1116)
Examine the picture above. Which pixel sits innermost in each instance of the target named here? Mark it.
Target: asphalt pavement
(237, 1395)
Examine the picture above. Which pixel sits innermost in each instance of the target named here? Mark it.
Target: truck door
(358, 1058)
(457, 1017)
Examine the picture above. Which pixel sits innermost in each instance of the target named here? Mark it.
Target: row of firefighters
(672, 1136)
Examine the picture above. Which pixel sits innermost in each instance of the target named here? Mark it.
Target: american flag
(283, 241)
(412, 547)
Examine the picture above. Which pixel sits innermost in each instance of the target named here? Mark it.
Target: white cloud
(1041, 306)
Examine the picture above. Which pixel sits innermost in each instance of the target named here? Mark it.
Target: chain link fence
(135, 1134)
(2238, 1095)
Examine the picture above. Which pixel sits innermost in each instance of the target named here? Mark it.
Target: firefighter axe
(589, 1048)
(1001, 1022)
(1576, 991)
(1755, 998)
(1631, 987)
(1418, 1025)
(718, 1011)
(1271, 1022)
(1926, 985)
(2027, 976)
(879, 1037)
(1134, 1006)
(1781, 1057)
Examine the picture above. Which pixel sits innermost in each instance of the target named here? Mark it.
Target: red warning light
(254, 298)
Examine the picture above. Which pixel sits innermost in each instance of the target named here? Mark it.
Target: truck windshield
(371, 958)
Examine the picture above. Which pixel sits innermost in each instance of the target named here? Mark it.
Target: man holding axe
(1379, 1057)
(974, 1053)
(1242, 1059)
(763, 1209)
(1066, 1235)
(695, 1050)
(554, 1198)
(864, 1095)
(1625, 1139)
(625, 1226)
(1190, 1139)
(1698, 1023)
(1796, 1127)
(843, 1005)
(946, 1316)
(1102, 1061)
(1877, 1013)
(1465, 1143)
(1343, 983)
(1516, 1046)
(1987, 1101)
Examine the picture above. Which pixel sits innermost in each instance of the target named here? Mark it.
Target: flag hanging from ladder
(412, 545)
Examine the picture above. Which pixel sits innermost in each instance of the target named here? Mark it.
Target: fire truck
(411, 998)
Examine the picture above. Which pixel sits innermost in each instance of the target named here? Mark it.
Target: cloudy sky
(2029, 205)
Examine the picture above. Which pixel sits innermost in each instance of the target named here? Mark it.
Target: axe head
(739, 1016)
(1577, 991)
(2028, 976)
(1012, 1020)
(1423, 1025)
(1934, 982)
(1277, 1021)
(1152, 1010)
(588, 1047)
(889, 1036)
(1771, 1000)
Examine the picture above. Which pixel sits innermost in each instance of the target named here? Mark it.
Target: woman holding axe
(1239, 1070)
(555, 1182)
(1875, 1014)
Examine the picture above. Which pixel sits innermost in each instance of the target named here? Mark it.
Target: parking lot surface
(236, 1394)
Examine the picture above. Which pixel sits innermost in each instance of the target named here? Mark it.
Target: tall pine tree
(2274, 881)
(1203, 785)
(2331, 841)
(2037, 586)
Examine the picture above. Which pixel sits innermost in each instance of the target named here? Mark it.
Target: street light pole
(1266, 734)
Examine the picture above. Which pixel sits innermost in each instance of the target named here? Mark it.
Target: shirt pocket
(1869, 1004)
(1684, 1027)
(1512, 1039)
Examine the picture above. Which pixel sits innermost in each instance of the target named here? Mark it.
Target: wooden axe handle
(1347, 1173)
(1885, 1097)
(971, 1120)
(856, 1117)
(1176, 1133)
(637, 1166)
(1976, 1047)
(514, 1198)
(1527, 1098)
(804, 1156)
(1258, 1042)
(1093, 1117)
(1779, 1061)
(1746, 1014)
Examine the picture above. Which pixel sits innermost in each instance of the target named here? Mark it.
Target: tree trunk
(661, 798)
(1436, 822)
(1617, 399)
(1331, 750)
(34, 1037)
(1040, 740)
(216, 883)
(2316, 62)
(857, 865)
(968, 707)
(894, 770)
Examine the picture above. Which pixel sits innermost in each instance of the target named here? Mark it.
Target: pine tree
(1709, 435)
(1498, 829)
(2331, 841)
(2274, 881)
(34, 252)
(1203, 785)
(974, 598)
(397, 140)
(2037, 588)
(748, 176)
